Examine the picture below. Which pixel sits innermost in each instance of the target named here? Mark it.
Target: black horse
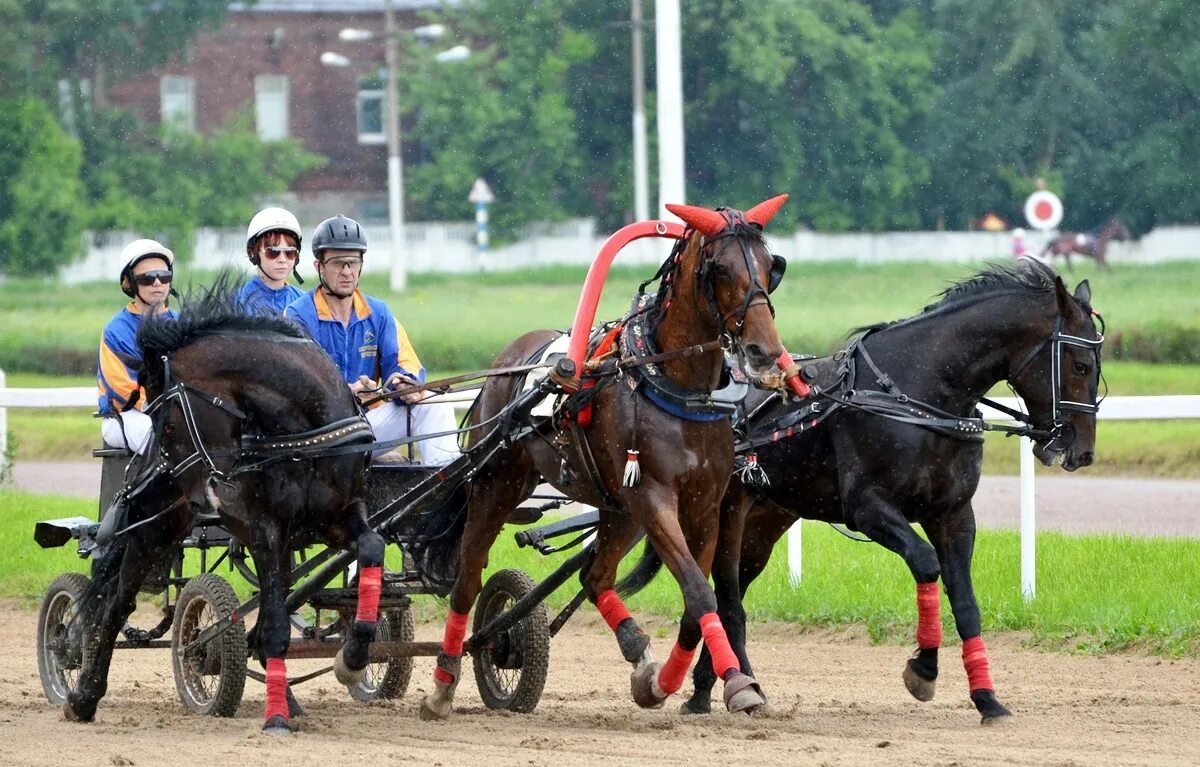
(897, 440)
(251, 418)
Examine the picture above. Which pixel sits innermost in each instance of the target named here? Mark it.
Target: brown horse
(1092, 244)
(713, 291)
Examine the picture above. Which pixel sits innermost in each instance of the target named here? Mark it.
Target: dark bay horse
(655, 456)
(897, 441)
(1091, 244)
(252, 419)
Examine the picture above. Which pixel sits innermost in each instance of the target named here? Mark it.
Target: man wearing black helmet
(147, 268)
(367, 344)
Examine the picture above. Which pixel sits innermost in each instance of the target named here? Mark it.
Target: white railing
(1181, 407)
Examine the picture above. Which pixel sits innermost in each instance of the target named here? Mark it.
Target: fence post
(1028, 523)
(4, 467)
(794, 553)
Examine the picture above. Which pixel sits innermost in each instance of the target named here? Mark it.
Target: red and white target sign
(1043, 210)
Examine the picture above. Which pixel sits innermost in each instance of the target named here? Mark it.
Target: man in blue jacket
(147, 268)
(368, 345)
(273, 246)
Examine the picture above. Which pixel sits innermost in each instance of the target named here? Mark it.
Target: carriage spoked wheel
(209, 677)
(60, 656)
(387, 679)
(510, 668)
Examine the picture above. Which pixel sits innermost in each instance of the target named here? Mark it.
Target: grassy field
(1095, 593)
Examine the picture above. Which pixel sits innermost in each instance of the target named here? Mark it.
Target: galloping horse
(252, 419)
(895, 439)
(657, 454)
(1092, 244)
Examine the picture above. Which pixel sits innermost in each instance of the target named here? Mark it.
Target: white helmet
(272, 220)
(1018, 232)
(138, 250)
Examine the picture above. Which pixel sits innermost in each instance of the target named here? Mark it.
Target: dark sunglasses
(282, 250)
(148, 278)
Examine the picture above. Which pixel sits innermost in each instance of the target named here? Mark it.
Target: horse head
(1061, 380)
(735, 273)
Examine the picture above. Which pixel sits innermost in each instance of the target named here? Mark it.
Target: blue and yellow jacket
(372, 344)
(119, 359)
(256, 294)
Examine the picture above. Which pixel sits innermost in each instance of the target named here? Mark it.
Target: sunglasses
(286, 251)
(149, 278)
(338, 264)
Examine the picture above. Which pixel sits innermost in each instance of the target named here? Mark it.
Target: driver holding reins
(147, 268)
(368, 345)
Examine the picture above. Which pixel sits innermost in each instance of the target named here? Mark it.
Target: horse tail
(642, 573)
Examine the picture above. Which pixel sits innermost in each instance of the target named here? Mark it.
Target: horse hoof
(742, 694)
(641, 684)
(992, 711)
(277, 725)
(72, 714)
(996, 720)
(346, 675)
(921, 688)
(435, 708)
(694, 707)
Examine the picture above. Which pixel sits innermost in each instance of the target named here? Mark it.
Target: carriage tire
(209, 680)
(388, 680)
(510, 670)
(58, 666)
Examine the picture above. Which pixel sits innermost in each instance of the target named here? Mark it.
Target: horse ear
(1067, 307)
(1083, 292)
(707, 222)
(761, 213)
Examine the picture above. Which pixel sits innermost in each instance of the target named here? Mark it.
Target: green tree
(41, 197)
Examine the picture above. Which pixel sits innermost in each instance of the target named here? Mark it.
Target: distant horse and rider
(1093, 244)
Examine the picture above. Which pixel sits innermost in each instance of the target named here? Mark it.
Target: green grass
(1096, 593)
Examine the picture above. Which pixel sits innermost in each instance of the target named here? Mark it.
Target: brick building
(266, 59)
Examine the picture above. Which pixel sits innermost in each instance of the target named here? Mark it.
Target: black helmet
(338, 233)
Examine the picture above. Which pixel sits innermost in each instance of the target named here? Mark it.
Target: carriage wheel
(510, 669)
(210, 677)
(59, 656)
(388, 679)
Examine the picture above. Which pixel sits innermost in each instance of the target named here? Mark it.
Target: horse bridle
(756, 295)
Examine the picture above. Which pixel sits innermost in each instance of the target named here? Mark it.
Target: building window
(271, 106)
(370, 116)
(178, 102)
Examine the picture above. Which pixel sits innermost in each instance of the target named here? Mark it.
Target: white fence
(450, 247)
(1115, 408)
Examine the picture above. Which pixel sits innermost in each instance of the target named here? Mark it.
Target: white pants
(136, 426)
(390, 421)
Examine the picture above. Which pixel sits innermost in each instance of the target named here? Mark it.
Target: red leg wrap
(674, 671)
(612, 608)
(443, 676)
(276, 689)
(975, 661)
(370, 583)
(929, 616)
(717, 642)
(456, 629)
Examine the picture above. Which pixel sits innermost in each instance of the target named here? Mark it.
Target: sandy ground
(836, 700)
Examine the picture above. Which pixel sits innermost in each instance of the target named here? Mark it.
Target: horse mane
(1029, 276)
(206, 311)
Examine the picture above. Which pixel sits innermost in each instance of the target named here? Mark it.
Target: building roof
(334, 6)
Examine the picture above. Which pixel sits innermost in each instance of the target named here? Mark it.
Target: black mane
(1029, 275)
(205, 311)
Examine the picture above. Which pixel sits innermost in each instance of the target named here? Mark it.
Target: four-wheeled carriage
(418, 508)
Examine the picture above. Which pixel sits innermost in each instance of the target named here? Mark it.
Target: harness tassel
(633, 472)
(751, 472)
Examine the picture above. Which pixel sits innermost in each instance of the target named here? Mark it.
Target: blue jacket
(119, 358)
(373, 344)
(256, 294)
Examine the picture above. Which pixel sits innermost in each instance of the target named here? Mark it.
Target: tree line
(872, 114)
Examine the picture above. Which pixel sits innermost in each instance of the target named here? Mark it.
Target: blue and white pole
(481, 195)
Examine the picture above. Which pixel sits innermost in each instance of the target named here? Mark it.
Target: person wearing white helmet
(368, 345)
(273, 246)
(147, 268)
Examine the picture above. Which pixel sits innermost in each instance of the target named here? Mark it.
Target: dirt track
(836, 700)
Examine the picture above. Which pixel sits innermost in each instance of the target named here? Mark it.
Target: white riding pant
(390, 421)
(132, 425)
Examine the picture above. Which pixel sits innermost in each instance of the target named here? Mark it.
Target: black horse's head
(736, 274)
(1060, 381)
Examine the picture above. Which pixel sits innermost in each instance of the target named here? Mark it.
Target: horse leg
(954, 539)
(268, 544)
(885, 525)
(350, 665)
(493, 496)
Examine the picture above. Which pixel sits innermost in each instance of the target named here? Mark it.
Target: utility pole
(398, 273)
(668, 59)
(641, 182)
